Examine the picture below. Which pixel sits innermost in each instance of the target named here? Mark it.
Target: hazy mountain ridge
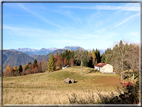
(15, 58)
(30, 51)
(45, 51)
(26, 50)
(37, 56)
(73, 47)
(46, 57)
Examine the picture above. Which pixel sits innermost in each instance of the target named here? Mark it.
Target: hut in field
(104, 68)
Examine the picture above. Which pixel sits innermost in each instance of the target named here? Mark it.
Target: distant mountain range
(44, 51)
(30, 51)
(13, 57)
(73, 47)
(24, 55)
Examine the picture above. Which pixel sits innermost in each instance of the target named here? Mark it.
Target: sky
(89, 25)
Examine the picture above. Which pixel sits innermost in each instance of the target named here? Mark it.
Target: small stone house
(104, 68)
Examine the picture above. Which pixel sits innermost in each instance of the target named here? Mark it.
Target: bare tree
(44, 66)
(120, 51)
(134, 57)
(80, 55)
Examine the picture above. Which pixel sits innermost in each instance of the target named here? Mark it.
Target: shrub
(130, 96)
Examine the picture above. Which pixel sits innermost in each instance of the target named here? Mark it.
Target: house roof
(100, 64)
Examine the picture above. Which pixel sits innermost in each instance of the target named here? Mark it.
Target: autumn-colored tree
(15, 68)
(71, 63)
(8, 68)
(58, 61)
(35, 70)
(51, 63)
(65, 61)
(89, 53)
(94, 57)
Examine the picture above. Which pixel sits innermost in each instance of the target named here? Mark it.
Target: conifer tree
(99, 56)
(103, 58)
(94, 57)
(29, 63)
(20, 69)
(35, 62)
(51, 63)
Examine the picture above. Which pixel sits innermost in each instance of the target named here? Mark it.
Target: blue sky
(89, 25)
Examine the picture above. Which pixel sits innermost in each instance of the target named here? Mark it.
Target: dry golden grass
(43, 96)
(49, 88)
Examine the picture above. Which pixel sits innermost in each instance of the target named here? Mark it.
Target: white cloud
(135, 15)
(100, 7)
(10, 28)
(45, 20)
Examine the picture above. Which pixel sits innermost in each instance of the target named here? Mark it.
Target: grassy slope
(28, 89)
(55, 80)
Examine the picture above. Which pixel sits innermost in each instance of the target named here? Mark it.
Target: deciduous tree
(133, 57)
(51, 63)
(120, 51)
(15, 67)
(71, 63)
(65, 61)
(81, 55)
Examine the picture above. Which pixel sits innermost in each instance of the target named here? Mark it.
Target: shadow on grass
(72, 83)
(126, 77)
(136, 76)
(94, 71)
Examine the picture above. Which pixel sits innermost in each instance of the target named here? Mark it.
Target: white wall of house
(105, 69)
(97, 68)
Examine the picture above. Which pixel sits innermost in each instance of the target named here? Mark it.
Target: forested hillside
(15, 58)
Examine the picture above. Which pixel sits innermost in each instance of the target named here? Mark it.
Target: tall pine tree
(94, 57)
